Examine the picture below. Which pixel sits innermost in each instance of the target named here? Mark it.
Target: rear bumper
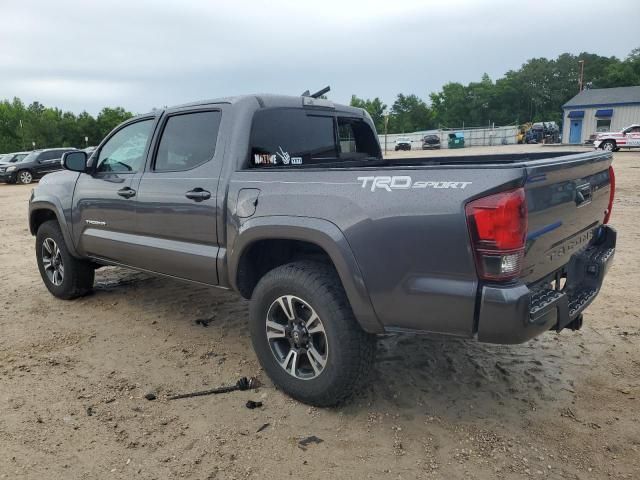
(518, 313)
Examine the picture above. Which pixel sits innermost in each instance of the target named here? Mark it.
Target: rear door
(104, 201)
(176, 197)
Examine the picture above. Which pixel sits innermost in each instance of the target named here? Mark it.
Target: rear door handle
(127, 192)
(198, 194)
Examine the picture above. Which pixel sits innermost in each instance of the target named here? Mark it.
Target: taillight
(498, 228)
(612, 192)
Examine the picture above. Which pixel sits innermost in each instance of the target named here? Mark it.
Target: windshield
(402, 140)
(18, 158)
(29, 157)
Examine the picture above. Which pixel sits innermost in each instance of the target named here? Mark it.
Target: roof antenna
(318, 94)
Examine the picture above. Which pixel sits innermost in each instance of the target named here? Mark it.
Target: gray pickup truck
(289, 202)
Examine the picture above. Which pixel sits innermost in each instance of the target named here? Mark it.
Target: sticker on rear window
(264, 159)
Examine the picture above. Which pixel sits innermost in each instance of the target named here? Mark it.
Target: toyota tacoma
(289, 202)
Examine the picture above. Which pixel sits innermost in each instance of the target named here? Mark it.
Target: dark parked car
(430, 142)
(331, 243)
(33, 166)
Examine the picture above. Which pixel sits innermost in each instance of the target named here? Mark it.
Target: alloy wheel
(297, 337)
(26, 177)
(608, 146)
(52, 261)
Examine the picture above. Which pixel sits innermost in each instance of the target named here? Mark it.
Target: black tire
(24, 177)
(77, 277)
(350, 351)
(608, 145)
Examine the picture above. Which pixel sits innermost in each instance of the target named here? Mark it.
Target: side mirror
(75, 161)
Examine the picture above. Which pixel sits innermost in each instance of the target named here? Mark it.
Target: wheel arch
(294, 238)
(42, 211)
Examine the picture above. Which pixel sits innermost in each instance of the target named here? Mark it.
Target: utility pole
(22, 134)
(386, 124)
(581, 78)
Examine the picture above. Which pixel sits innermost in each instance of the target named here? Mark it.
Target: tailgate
(567, 199)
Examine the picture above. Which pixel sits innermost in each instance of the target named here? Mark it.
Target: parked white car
(613, 141)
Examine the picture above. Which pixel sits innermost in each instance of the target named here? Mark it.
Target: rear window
(295, 137)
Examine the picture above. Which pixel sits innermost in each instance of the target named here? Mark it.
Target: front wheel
(25, 177)
(64, 276)
(306, 336)
(608, 146)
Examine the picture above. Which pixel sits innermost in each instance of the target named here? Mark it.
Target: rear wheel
(64, 276)
(24, 177)
(608, 146)
(305, 335)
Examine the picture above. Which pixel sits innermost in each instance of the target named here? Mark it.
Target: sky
(140, 54)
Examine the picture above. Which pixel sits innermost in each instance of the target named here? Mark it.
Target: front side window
(31, 157)
(50, 155)
(291, 137)
(188, 140)
(124, 151)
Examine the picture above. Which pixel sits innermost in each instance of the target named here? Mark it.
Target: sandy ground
(73, 376)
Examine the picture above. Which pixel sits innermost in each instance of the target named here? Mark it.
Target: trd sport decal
(404, 182)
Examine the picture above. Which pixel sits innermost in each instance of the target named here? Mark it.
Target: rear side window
(292, 137)
(188, 140)
(357, 140)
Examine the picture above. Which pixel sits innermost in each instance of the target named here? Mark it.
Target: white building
(600, 110)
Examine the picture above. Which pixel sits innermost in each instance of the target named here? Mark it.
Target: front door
(575, 131)
(104, 201)
(49, 161)
(176, 202)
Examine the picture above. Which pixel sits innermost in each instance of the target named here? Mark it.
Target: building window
(603, 124)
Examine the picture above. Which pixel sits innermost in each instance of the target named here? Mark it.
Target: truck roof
(266, 100)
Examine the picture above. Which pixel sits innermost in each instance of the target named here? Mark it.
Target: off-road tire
(351, 351)
(78, 276)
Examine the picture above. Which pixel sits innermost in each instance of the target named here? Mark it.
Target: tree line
(24, 128)
(533, 93)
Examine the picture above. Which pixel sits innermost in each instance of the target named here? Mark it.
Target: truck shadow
(461, 379)
(443, 376)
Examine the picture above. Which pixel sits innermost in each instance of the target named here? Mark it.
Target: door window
(188, 140)
(357, 140)
(290, 137)
(124, 151)
(50, 155)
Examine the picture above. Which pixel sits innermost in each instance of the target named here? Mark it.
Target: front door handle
(198, 194)
(127, 192)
